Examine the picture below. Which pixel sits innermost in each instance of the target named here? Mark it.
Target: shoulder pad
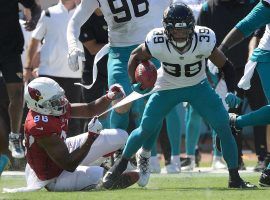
(155, 39)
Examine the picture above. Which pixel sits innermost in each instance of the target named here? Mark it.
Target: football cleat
(15, 145)
(143, 167)
(125, 180)
(218, 163)
(154, 165)
(260, 166)
(241, 184)
(114, 174)
(265, 178)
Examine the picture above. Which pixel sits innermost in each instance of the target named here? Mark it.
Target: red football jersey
(37, 126)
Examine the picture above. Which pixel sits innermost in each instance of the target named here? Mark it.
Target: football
(146, 74)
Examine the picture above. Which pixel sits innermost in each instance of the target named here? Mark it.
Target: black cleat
(125, 180)
(241, 184)
(114, 174)
(265, 178)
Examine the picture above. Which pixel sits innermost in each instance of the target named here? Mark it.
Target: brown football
(146, 74)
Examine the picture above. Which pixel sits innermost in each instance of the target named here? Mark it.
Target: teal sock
(3, 162)
(193, 124)
(134, 142)
(119, 120)
(154, 149)
(174, 129)
(137, 111)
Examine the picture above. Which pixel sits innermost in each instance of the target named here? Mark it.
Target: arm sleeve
(258, 17)
(82, 13)
(40, 30)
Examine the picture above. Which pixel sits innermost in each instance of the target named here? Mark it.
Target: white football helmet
(45, 96)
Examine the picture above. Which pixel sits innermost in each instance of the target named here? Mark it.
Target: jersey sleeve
(207, 40)
(40, 30)
(154, 39)
(258, 17)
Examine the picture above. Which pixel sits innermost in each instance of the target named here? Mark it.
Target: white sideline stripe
(197, 170)
(13, 173)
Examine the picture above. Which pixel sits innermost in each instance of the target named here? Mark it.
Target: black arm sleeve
(229, 75)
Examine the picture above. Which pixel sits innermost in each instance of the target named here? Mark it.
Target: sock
(193, 124)
(174, 129)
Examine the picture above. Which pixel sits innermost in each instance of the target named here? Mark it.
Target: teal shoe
(4, 160)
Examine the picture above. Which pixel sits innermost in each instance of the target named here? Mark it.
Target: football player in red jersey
(61, 164)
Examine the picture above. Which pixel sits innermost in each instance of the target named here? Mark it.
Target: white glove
(73, 59)
(115, 91)
(94, 126)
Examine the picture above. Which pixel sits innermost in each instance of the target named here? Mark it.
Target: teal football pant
(203, 99)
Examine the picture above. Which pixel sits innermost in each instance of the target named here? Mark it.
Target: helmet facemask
(56, 105)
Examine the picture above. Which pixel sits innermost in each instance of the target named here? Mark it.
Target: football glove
(94, 126)
(73, 59)
(115, 91)
(232, 100)
(137, 88)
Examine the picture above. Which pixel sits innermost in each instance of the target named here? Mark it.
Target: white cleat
(154, 165)
(143, 167)
(218, 163)
(171, 169)
(15, 145)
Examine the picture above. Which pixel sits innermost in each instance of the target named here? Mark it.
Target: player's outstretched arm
(141, 53)
(234, 37)
(87, 110)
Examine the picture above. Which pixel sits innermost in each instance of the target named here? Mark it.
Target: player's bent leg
(83, 178)
(109, 141)
(216, 115)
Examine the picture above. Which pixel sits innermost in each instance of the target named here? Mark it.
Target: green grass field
(192, 186)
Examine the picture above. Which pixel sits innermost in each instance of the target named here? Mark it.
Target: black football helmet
(178, 16)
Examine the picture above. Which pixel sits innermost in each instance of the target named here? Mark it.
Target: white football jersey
(129, 21)
(185, 69)
(265, 40)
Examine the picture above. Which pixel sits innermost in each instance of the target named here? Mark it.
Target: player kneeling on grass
(61, 164)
